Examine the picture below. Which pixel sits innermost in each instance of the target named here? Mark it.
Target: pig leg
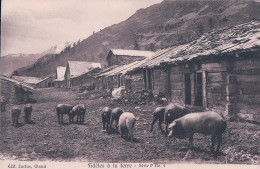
(160, 126)
(154, 121)
(104, 123)
(61, 118)
(83, 118)
(26, 117)
(166, 129)
(131, 135)
(111, 123)
(58, 117)
(219, 140)
(13, 120)
(213, 142)
(191, 141)
(122, 132)
(107, 126)
(29, 118)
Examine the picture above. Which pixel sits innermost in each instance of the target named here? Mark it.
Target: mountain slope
(11, 62)
(160, 25)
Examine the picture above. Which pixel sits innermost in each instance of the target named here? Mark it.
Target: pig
(16, 112)
(127, 121)
(27, 113)
(158, 114)
(80, 111)
(106, 114)
(173, 112)
(64, 109)
(115, 114)
(207, 123)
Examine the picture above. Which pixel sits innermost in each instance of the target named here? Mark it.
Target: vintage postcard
(130, 84)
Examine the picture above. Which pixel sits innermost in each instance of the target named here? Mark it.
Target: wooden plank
(204, 91)
(247, 72)
(175, 70)
(214, 67)
(177, 92)
(248, 108)
(214, 102)
(217, 96)
(248, 64)
(217, 77)
(248, 78)
(249, 99)
(216, 84)
(176, 77)
(221, 89)
(178, 85)
(249, 84)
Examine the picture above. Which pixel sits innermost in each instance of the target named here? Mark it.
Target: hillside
(165, 24)
(11, 62)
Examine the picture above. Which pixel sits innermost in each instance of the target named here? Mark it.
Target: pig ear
(172, 124)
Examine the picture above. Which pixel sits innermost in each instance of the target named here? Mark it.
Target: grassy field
(47, 140)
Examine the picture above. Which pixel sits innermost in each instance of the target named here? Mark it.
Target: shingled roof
(124, 52)
(27, 79)
(236, 39)
(78, 68)
(16, 83)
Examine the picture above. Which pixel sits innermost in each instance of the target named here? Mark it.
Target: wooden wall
(123, 60)
(247, 73)
(13, 94)
(135, 82)
(159, 81)
(216, 85)
(177, 85)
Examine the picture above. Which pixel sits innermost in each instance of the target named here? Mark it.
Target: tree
(136, 45)
(151, 47)
(201, 29)
(211, 23)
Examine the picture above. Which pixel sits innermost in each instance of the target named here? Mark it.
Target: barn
(60, 72)
(79, 73)
(15, 92)
(123, 57)
(115, 77)
(220, 71)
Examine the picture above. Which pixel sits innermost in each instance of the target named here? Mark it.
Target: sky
(33, 26)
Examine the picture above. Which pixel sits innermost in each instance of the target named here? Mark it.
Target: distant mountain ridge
(168, 23)
(11, 62)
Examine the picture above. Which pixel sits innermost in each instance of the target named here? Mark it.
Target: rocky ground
(48, 140)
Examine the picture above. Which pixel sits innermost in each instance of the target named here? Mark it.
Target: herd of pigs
(179, 121)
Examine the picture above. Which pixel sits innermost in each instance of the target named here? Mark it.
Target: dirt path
(47, 140)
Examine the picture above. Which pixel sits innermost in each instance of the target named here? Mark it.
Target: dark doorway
(199, 89)
(49, 84)
(118, 82)
(187, 88)
(149, 79)
(145, 79)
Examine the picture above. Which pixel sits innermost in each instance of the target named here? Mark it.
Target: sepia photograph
(130, 84)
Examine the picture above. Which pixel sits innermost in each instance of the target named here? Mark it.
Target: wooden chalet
(220, 71)
(79, 73)
(35, 81)
(123, 57)
(15, 92)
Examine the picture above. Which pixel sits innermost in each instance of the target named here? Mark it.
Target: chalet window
(119, 84)
(149, 78)
(187, 88)
(145, 79)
